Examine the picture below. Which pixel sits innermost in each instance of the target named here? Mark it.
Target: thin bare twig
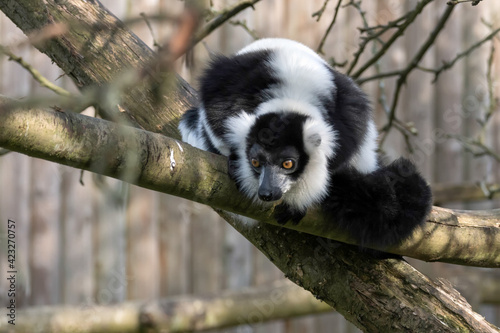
(320, 12)
(244, 25)
(400, 31)
(449, 64)
(44, 82)
(476, 147)
(374, 36)
(411, 66)
(221, 18)
(327, 32)
(150, 27)
(456, 2)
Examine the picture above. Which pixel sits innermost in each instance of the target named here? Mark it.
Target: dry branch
(222, 17)
(44, 82)
(282, 299)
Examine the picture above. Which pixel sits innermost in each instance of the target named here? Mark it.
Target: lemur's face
(276, 154)
(275, 169)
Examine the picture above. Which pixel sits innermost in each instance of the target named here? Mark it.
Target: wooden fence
(83, 239)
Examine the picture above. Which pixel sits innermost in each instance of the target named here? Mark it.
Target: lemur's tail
(381, 208)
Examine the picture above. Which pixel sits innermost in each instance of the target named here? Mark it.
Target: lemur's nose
(270, 194)
(265, 195)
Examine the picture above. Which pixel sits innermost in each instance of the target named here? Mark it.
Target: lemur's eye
(288, 164)
(255, 163)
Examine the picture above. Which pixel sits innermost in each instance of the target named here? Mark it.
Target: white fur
(192, 137)
(311, 187)
(304, 73)
(238, 128)
(289, 104)
(365, 160)
(278, 43)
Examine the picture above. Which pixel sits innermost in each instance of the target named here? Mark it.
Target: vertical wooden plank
(475, 97)
(270, 27)
(448, 166)
(418, 98)
(494, 131)
(15, 187)
(46, 210)
(175, 245)
(77, 226)
(142, 248)
(45, 235)
(207, 250)
(48, 227)
(15, 172)
(109, 241)
(387, 11)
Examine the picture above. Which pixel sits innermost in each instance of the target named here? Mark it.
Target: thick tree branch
(464, 192)
(345, 278)
(282, 299)
(98, 49)
(170, 166)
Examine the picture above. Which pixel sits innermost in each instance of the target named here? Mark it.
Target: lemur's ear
(318, 136)
(313, 139)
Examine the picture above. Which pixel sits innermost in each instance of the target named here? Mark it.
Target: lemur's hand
(284, 213)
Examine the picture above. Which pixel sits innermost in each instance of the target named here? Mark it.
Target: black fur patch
(233, 84)
(274, 131)
(349, 116)
(382, 208)
(191, 118)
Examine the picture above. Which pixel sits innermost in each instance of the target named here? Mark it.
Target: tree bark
(170, 166)
(376, 295)
(345, 278)
(282, 299)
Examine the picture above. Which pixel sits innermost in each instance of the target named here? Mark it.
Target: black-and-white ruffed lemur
(296, 130)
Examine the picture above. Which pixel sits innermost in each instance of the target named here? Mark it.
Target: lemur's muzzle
(270, 184)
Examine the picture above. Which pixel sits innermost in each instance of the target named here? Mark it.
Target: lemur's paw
(284, 213)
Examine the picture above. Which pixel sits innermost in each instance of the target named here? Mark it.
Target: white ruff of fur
(319, 142)
(289, 105)
(238, 129)
(303, 74)
(311, 187)
(365, 160)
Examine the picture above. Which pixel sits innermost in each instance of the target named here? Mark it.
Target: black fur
(381, 208)
(349, 115)
(274, 131)
(232, 84)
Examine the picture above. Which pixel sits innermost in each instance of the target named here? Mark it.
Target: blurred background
(83, 239)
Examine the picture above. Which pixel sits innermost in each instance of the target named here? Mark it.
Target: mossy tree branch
(170, 166)
(345, 278)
